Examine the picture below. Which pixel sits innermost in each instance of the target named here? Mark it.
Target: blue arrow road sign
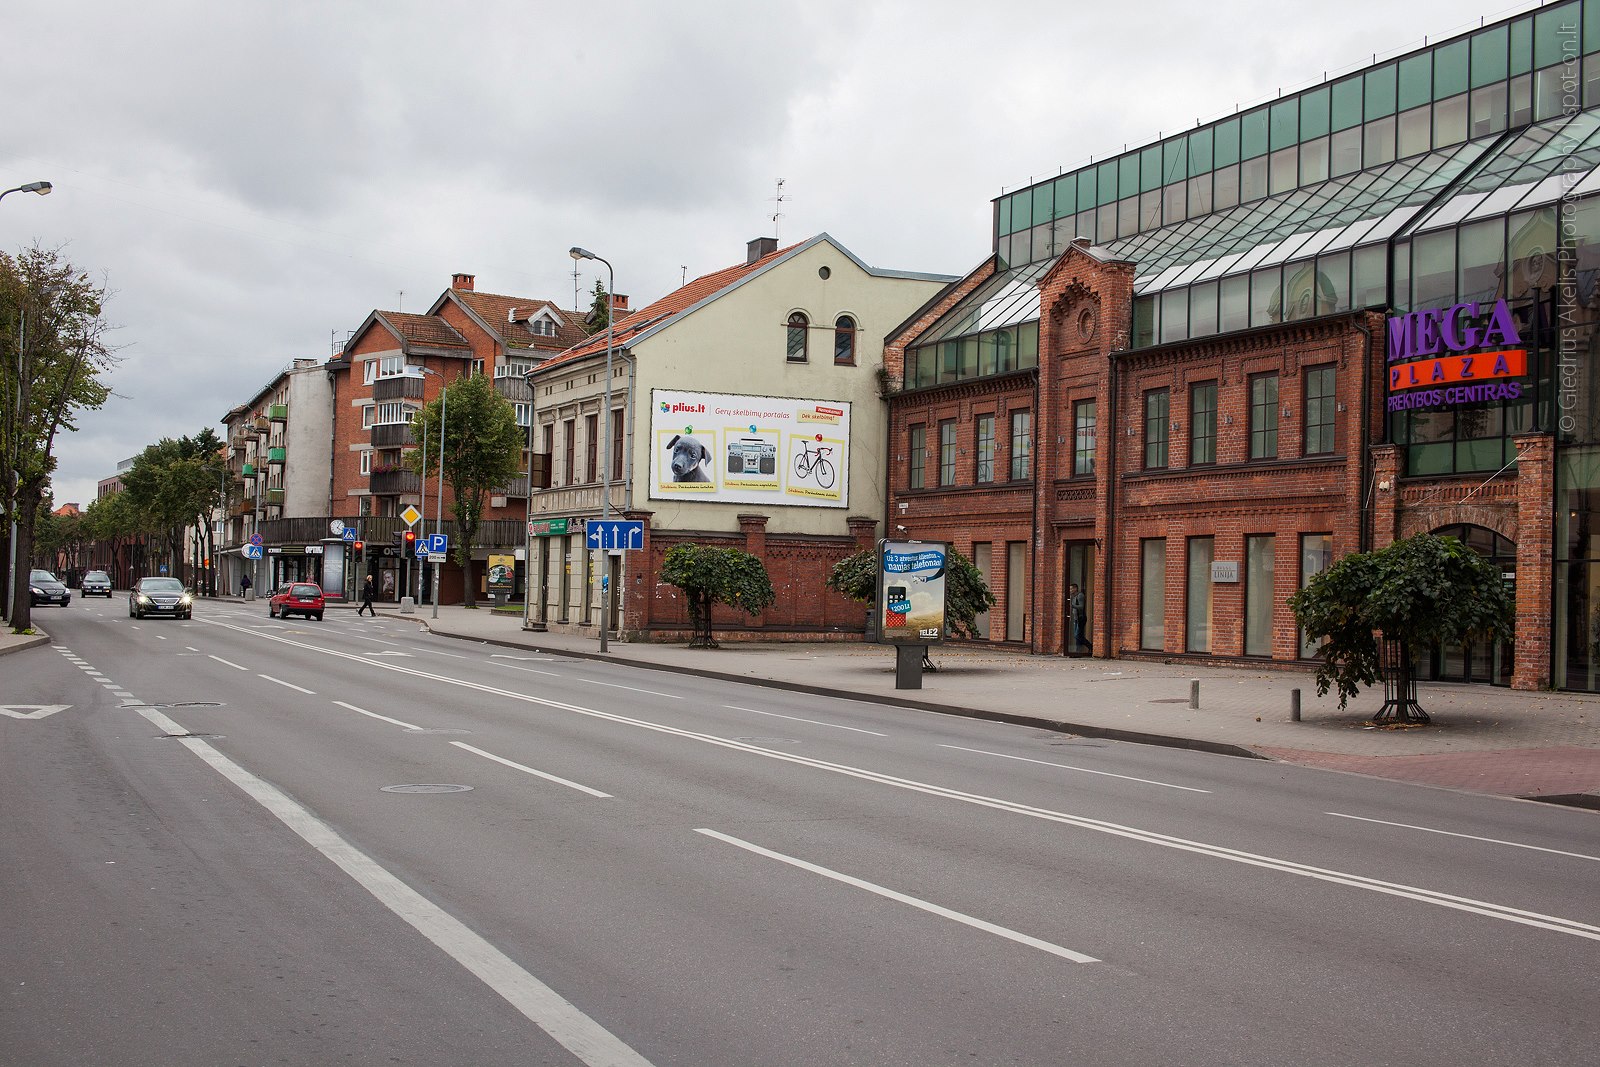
(436, 542)
(611, 534)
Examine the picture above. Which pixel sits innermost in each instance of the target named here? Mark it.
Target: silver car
(95, 583)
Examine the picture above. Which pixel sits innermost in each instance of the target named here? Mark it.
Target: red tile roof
(495, 310)
(674, 302)
(424, 329)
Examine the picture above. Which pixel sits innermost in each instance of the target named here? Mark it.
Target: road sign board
(251, 551)
(439, 543)
(348, 533)
(255, 539)
(421, 550)
(411, 515)
(615, 533)
(435, 557)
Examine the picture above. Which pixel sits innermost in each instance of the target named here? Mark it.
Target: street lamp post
(605, 423)
(444, 401)
(527, 532)
(43, 189)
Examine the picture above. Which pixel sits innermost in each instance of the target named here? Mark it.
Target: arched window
(798, 325)
(844, 339)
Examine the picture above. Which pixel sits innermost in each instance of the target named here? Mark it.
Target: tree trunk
(1399, 685)
(28, 498)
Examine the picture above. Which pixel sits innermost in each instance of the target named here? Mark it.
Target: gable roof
(422, 329)
(492, 311)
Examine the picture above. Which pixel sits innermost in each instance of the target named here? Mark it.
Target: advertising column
(911, 603)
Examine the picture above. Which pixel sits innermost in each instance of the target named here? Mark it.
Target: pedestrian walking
(244, 586)
(368, 590)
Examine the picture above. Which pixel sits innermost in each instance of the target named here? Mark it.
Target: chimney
(761, 246)
(619, 305)
(461, 281)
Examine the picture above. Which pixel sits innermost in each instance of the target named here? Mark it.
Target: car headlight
(35, 590)
(142, 599)
(186, 599)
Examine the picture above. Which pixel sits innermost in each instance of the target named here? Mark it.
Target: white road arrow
(31, 711)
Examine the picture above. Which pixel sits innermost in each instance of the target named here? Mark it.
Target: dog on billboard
(691, 460)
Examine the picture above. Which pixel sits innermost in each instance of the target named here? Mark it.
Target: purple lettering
(1466, 367)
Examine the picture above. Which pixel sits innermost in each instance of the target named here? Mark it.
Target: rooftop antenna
(575, 305)
(684, 267)
(777, 209)
(402, 306)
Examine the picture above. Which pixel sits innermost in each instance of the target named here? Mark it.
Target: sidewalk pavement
(1485, 739)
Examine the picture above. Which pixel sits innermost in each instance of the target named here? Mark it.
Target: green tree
(1418, 593)
(482, 453)
(177, 485)
(599, 310)
(966, 594)
(53, 338)
(114, 521)
(710, 576)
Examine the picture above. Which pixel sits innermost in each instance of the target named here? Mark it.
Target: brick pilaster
(1535, 560)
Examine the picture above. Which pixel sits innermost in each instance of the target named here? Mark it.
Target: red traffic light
(359, 545)
(411, 537)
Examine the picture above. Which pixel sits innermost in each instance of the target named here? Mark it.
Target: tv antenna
(684, 267)
(777, 209)
(402, 306)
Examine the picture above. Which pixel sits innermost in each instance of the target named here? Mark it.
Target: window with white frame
(512, 368)
(371, 371)
(542, 327)
(523, 412)
(477, 366)
(366, 462)
(391, 412)
(367, 413)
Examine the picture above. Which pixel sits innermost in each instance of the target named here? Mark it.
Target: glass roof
(1492, 176)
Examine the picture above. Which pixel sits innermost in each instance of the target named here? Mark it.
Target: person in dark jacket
(368, 591)
(244, 585)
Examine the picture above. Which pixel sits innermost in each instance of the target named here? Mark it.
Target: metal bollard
(1194, 692)
(1294, 705)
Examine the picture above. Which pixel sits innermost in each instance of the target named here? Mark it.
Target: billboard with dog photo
(749, 449)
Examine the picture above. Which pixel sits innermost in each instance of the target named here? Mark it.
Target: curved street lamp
(605, 500)
(42, 188)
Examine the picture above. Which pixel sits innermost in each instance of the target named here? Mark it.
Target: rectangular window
(616, 445)
(947, 452)
(370, 374)
(368, 412)
(1258, 549)
(1264, 416)
(477, 366)
(1316, 556)
(366, 462)
(524, 412)
(1016, 590)
(985, 448)
(1153, 593)
(1021, 445)
(1197, 604)
(547, 438)
(591, 446)
(1157, 406)
(1320, 406)
(1083, 437)
(918, 457)
(1202, 423)
(569, 432)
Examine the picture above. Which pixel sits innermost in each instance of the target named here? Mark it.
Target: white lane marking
(161, 637)
(435, 651)
(1070, 767)
(191, 648)
(289, 685)
(229, 663)
(530, 770)
(375, 715)
(1469, 837)
(586, 1039)
(1426, 896)
(934, 909)
(530, 670)
(632, 689)
(796, 718)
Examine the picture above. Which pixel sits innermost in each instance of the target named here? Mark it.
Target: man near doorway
(1080, 620)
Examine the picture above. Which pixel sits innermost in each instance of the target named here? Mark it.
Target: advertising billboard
(733, 449)
(1461, 354)
(911, 591)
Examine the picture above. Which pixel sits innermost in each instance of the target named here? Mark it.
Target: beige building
(746, 410)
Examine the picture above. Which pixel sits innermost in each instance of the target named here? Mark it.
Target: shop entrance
(1486, 663)
(1078, 600)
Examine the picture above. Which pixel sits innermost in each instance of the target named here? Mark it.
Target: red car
(297, 598)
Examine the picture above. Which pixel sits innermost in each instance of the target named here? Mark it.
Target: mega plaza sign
(1461, 354)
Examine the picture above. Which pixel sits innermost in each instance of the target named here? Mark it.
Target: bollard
(1194, 692)
(407, 605)
(1294, 705)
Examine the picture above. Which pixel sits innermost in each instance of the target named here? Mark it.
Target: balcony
(274, 498)
(240, 440)
(392, 435)
(278, 412)
(259, 424)
(249, 470)
(513, 389)
(401, 387)
(390, 483)
(277, 455)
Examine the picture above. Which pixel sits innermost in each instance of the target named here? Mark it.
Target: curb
(22, 643)
(1105, 733)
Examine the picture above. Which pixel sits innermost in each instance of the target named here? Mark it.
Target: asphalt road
(246, 841)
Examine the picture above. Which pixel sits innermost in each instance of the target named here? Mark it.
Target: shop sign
(1436, 358)
(1225, 571)
(547, 527)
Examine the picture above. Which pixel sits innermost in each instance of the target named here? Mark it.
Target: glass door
(1078, 610)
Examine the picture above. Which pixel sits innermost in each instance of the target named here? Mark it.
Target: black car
(95, 583)
(160, 596)
(45, 588)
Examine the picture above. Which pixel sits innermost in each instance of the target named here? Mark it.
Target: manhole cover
(436, 730)
(426, 787)
(769, 740)
(193, 704)
(202, 737)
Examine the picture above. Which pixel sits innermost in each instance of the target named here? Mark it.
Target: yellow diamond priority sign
(411, 515)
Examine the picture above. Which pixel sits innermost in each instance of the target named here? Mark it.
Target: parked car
(45, 588)
(297, 598)
(96, 583)
(160, 596)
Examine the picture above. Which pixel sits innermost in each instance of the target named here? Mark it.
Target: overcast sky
(251, 179)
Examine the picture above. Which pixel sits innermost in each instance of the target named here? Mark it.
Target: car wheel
(188, 615)
(319, 616)
(272, 612)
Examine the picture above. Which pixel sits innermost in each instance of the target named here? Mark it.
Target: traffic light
(411, 541)
(359, 545)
